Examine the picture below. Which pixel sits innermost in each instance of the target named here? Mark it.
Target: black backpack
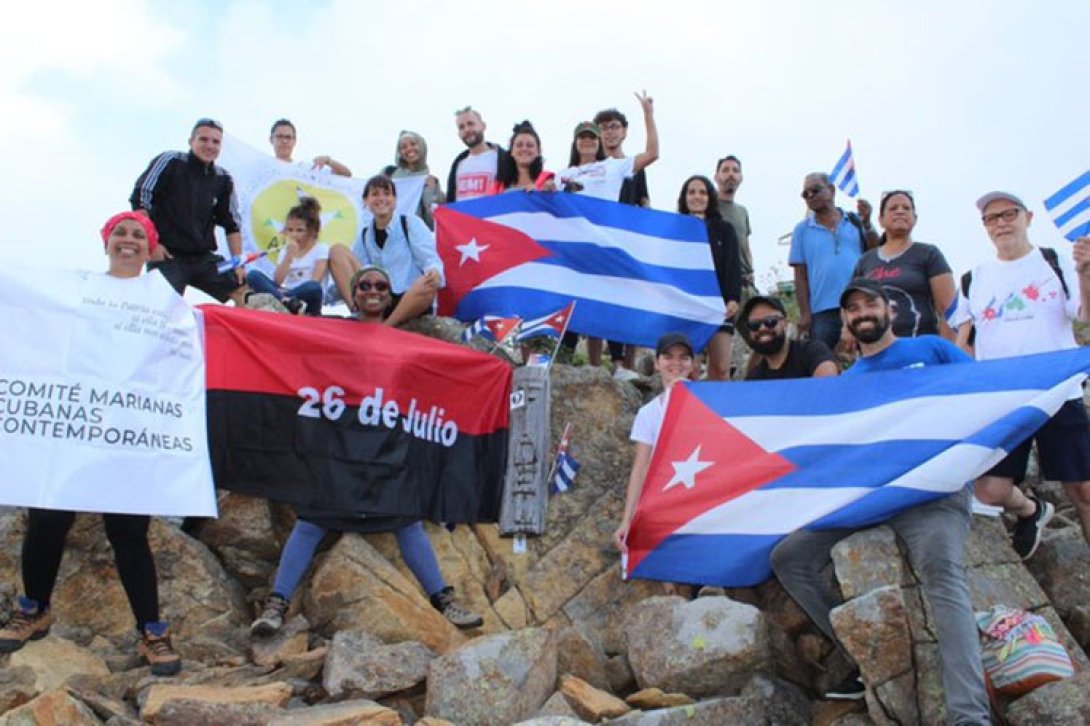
(404, 228)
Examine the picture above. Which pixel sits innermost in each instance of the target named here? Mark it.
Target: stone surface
(104, 706)
(826, 713)
(579, 657)
(556, 705)
(552, 721)
(244, 537)
(1061, 566)
(274, 694)
(590, 703)
(763, 701)
(49, 709)
(55, 660)
(357, 665)
(1054, 704)
(356, 588)
(346, 713)
(706, 647)
(874, 630)
(495, 679)
(16, 686)
(621, 677)
(651, 698)
(184, 712)
(866, 561)
(291, 641)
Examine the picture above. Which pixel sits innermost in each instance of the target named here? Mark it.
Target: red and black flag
(355, 419)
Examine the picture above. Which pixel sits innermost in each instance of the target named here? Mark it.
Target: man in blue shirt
(824, 249)
(934, 532)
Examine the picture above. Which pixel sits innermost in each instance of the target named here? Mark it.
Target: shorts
(1063, 448)
(198, 271)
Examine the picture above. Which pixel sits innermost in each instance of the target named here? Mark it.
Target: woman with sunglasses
(373, 301)
(697, 198)
(524, 165)
(914, 274)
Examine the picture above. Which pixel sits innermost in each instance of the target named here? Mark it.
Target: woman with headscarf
(411, 159)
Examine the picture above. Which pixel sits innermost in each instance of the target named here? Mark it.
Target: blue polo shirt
(829, 258)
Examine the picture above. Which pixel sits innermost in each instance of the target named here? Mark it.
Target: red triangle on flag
(502, 327)
(700, 462)
(473, 250)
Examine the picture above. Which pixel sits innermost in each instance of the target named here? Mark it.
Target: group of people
(893, 302)
(887, 297)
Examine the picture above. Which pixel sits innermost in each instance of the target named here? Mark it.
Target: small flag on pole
(565, 467)
(1070, 208)
(491, 327)
(843, 174)
(551, 325)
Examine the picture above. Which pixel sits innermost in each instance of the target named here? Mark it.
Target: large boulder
(1061, 566)
(707, 647)
(247, 536)
(53, 707)
(1054, 704)
(495, 679)
(357, 664)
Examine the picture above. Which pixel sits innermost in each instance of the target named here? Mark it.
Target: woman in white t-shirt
(297, 280)
(674, 362)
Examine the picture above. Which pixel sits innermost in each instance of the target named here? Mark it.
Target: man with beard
(824, 249)
(474, 170)
(933, 532)
(762, 324)
(728, 177)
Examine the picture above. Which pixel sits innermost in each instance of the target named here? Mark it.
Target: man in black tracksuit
(187, 195)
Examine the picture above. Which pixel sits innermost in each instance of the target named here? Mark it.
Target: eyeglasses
(208, 122)
(769, 322)
(368, 286)
(1007, 215)
(812, 191)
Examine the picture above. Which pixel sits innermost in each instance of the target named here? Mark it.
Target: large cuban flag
(738, 466)
(635, 273)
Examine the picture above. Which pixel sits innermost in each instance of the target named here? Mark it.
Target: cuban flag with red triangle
(635, 273)
(738, 466)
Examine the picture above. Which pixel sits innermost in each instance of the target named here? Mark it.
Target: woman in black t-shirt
(915, 275)
(697, 198)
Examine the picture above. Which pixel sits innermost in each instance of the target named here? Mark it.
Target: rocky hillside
(565, 640)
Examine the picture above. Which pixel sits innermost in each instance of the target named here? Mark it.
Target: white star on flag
(470, 251)
(685, 471)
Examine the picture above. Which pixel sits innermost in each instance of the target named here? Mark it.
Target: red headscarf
(145, 222)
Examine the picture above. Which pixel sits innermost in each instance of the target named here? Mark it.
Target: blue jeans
(935, 535)
(310, 292)
(825, 326)
(304, 540)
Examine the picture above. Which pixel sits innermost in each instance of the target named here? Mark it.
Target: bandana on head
(149, 227)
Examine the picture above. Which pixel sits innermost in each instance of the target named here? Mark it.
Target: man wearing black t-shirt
(762, 324)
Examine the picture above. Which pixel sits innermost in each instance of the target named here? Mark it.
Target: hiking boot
(271, 618)
(1028, 530)
(27, 623)
(849, 689)
(155, 648)
(443, 601)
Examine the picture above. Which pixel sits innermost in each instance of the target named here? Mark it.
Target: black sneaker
(1027, 531)
(849, 689)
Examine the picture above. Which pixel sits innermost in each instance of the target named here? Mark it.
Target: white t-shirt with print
(302, 268)
(1019, 306)
(600, 179)
(475, 175)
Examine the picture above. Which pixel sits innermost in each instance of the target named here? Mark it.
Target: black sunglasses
(367, 286)
(812, 191)
(768, 321)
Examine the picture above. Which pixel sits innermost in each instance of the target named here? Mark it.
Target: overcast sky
(948, 99)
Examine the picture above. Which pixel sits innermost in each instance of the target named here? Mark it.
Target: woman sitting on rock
(372, 301)
(303, 263)
(129, 238)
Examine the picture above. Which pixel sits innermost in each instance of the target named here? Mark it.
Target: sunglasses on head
(368, 286)
(768, 321)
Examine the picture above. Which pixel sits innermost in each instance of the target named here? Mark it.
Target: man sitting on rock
(934, 532)
(762, 323)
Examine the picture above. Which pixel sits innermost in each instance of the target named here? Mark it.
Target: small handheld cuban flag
(491, 327)
(552, 325)
(1070, 208)
(565, 467)
(843, 174)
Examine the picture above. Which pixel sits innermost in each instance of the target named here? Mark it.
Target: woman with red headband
(129, 238)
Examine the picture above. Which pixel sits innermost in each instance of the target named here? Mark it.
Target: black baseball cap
(870, 288)
(747, 308)
(669, 340)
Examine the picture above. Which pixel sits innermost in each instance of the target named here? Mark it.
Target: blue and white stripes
(1070, 208)
(843, 174)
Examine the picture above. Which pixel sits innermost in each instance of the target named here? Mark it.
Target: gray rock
(359, 664)
(874, 631)
(181, 712)
(552, 721)
(495, 679)
(556, 705)
(762, 701)
(1062, 567)
(1055, 704)
(868, 560)
(707, 647)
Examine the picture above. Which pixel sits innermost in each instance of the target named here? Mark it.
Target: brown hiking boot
(155, 648)
(444, 602)
(272, 616)
(26, 623)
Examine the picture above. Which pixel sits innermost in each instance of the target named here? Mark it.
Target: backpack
(855, 221)
(1020, 651)
(404, 228)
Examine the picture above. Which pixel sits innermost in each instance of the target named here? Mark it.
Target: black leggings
(43, 546)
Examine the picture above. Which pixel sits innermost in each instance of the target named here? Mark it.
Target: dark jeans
(825, 326)
(310, 292)
(43, 547)
(198, 271)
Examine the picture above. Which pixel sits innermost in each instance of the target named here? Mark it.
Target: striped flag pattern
(566, 469)
(843, 174)
(547, 326)
(1070, 208)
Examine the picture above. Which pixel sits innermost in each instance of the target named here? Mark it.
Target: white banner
(267, 188)
(102, 395)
